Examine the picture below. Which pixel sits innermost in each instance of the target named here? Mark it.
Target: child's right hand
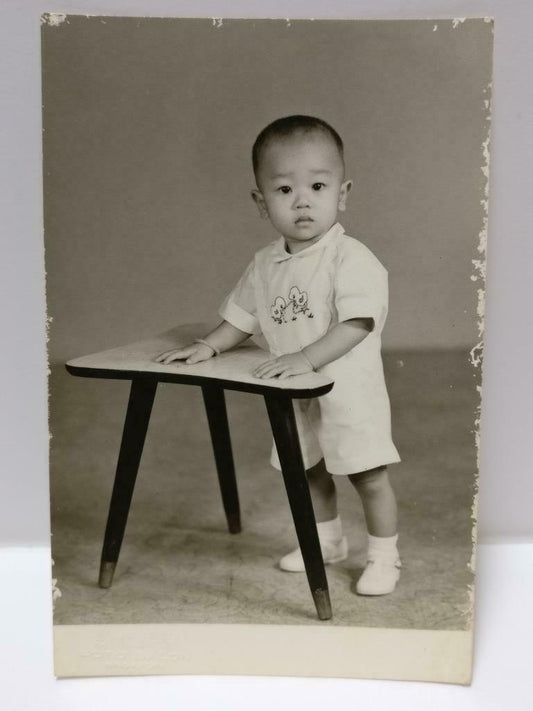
(195, 353)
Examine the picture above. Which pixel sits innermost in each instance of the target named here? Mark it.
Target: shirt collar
(280, 253)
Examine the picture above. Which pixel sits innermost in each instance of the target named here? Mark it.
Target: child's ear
(343, 195)
(259, 200)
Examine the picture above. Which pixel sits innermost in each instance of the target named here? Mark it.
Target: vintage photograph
(265, 247)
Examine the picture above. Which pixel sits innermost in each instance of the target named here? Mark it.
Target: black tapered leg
(215, 407)
(281, 415)
(142, 395)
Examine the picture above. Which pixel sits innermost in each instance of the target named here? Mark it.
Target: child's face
(301, 187)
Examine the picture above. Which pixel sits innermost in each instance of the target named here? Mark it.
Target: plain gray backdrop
(148, 128)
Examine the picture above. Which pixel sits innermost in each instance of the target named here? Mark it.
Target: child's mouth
(301, 220)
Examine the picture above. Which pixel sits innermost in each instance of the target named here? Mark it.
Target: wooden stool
(229, 371)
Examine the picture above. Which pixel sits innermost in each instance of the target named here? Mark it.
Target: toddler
(320, 299)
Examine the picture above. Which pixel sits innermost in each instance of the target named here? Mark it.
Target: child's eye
(318, 186)
(285, 189)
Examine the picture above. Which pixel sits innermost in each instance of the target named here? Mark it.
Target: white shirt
(295, 299)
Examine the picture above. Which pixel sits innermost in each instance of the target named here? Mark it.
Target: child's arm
(222, 338)
(341, 339)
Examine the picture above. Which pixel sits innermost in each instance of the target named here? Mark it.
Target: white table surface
(236, 365)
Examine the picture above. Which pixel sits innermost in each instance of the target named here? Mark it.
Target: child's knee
(319, 474)
(371, 482)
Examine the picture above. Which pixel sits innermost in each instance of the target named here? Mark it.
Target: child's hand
(285, 365)
(195, 353)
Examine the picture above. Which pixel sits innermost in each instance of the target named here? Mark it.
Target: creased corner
(53, 19)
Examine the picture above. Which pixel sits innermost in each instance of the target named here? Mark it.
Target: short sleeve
(239, 307)
(361, 287)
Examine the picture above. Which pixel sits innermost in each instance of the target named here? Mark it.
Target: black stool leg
(215, 407)
(137, 417)
(281, 415)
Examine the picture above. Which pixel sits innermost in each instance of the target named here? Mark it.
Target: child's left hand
(284, 366)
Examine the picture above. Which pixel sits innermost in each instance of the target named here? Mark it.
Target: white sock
(382, 546)
(330, 530)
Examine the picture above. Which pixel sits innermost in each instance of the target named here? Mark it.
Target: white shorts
(349, 427)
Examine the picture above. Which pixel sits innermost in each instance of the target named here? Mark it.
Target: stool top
(231, 370)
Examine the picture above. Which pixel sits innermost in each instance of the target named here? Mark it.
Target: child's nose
(302, 199)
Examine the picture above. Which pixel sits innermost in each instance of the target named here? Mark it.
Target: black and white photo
(257, 229)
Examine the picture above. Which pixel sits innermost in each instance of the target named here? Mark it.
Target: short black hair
(288, 126)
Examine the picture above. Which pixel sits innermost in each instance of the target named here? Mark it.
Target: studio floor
(179, 563)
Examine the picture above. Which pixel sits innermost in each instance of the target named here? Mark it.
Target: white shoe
(332, 552)
(380, 576)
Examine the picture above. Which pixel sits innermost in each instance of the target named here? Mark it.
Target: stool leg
(283, 423)
(142, 395)
(217, 417)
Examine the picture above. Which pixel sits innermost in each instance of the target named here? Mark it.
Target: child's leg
(324, 496)
(379, 503)
(323, 492)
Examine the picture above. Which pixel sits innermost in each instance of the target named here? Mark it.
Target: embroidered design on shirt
(277, 310)
(296, 306)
